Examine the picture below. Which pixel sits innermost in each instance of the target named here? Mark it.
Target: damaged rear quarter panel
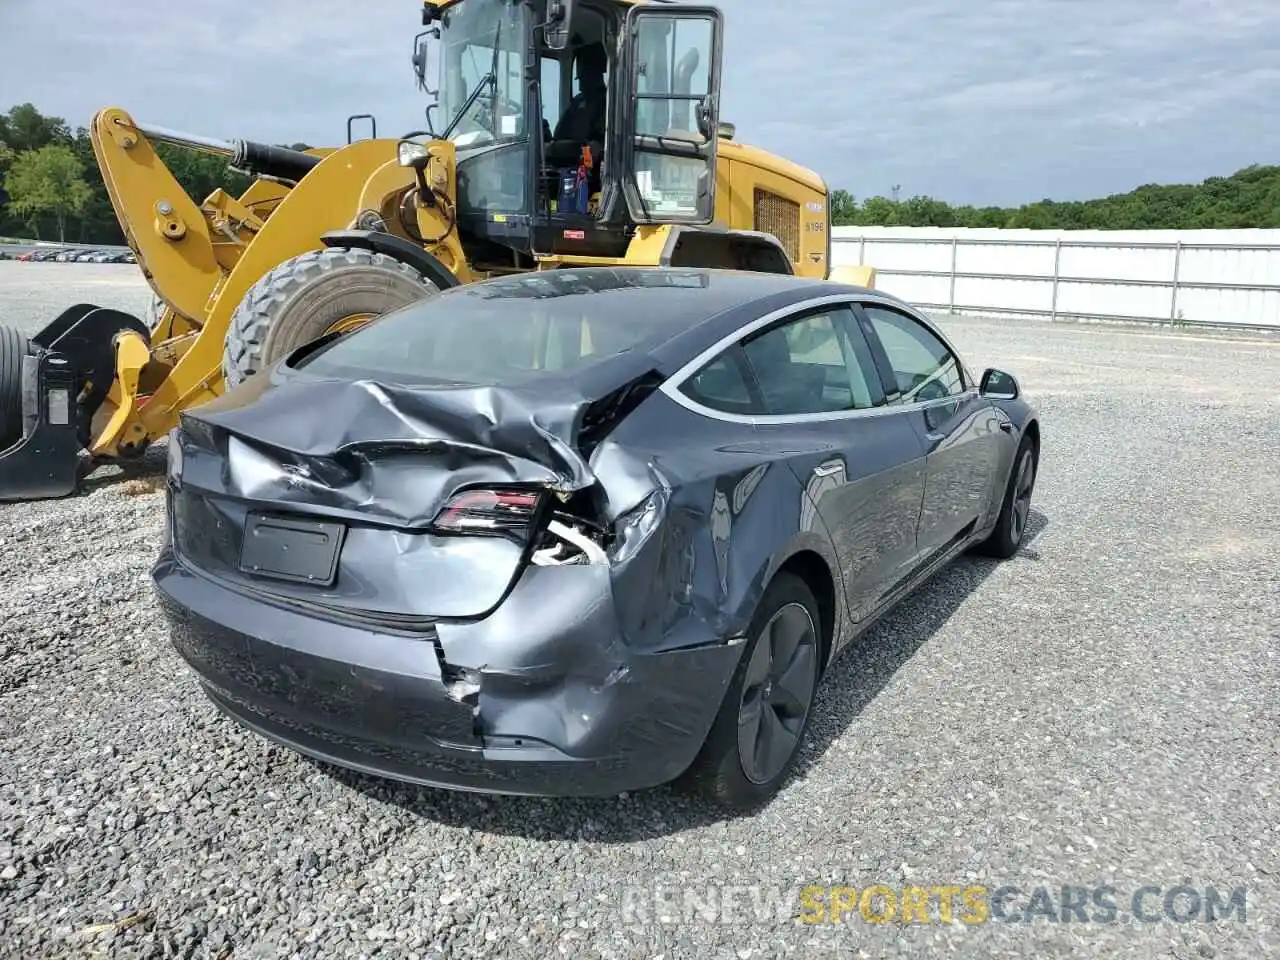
(706, 516)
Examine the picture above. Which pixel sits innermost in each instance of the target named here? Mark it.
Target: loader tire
(304, 298)
(13, 347)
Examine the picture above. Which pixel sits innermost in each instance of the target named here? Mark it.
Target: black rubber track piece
(13, 347)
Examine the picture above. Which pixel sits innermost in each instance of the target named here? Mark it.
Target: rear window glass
(506, 332)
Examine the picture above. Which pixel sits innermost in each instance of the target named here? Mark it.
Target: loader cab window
(482, 49)
(482, 100)
(553, 99)
(575, 118)
(673, 78)
(674, 69)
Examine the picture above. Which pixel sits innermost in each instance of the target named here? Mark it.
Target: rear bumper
(553, 720)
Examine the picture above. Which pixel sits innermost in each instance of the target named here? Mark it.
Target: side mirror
(559, 25)
(704, 119)
(416, 156)
(998, 385)
(421, 52)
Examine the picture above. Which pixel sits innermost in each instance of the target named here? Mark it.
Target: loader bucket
(50, 388)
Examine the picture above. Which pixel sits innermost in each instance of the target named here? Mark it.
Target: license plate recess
(289, 548)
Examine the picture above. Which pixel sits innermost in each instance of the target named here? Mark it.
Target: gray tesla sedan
(580, 532)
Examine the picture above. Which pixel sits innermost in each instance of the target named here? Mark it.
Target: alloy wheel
(1022, 496)
(777, 692)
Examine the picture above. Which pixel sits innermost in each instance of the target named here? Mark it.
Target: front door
(957, 426)
(669, 107)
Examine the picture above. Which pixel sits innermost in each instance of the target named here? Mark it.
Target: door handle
(1006, 426)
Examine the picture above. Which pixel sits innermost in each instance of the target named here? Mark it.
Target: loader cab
(575, 120)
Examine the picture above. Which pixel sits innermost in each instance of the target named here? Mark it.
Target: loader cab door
(669, 112)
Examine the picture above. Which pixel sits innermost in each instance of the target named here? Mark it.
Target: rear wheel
(13, 347)
(312, 295)
(756, 737)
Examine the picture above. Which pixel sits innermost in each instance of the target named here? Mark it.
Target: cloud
(1002, 101)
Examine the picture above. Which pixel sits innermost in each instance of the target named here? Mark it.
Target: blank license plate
(305, 551)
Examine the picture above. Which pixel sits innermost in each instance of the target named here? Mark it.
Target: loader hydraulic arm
(177, 241)
(161, 223)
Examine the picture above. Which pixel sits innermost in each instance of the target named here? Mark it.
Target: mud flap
(64, 381)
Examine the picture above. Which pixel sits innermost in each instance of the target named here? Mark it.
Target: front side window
(922, 366)
(818, 363)
(674, 74)
(492, 181)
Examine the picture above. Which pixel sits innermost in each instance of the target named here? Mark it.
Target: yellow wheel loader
(571, 133)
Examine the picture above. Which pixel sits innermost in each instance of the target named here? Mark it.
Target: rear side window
(723, 385)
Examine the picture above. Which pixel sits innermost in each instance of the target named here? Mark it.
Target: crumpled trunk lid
(372, 465)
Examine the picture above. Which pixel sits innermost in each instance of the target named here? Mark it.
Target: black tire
(1015, 509)
(725, 770)
(299, 301)
(13, 347)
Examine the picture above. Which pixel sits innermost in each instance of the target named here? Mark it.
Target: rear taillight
(487, 511)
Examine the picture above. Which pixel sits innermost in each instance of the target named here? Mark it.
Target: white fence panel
(1212, 277)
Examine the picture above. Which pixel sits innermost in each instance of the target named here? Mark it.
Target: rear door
(669, 111)
(860, 462)
(923, 377)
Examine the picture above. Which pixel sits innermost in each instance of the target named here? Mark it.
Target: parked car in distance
(580, 532)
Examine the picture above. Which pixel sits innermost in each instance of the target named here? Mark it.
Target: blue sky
(971, 101)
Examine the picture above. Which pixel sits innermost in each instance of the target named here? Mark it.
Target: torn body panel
(553, 710)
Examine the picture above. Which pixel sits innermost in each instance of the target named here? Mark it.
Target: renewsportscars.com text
(881, 903)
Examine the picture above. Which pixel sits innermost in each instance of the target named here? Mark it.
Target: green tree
(201, 173)
(48, 180)
(880, 211)
(25, 128)
(927, 212)
(844, 208)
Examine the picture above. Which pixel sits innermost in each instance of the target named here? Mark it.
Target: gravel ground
(1101, 711)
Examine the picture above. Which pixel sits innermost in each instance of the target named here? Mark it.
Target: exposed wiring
(591, 550)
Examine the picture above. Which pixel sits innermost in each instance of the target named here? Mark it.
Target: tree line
(1248, 198)
(51, 189)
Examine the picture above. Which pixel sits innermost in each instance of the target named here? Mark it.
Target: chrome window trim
(673, 384)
